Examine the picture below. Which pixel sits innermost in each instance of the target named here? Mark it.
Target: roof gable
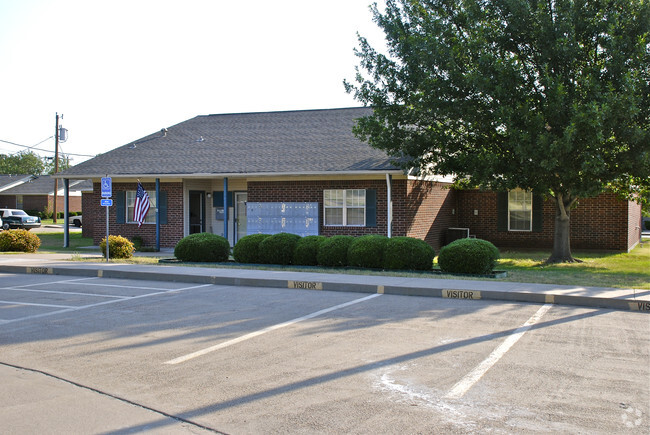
(312, 141)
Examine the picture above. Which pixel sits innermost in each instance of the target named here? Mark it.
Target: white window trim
(530, 212)
(345, 207)
(151, 215)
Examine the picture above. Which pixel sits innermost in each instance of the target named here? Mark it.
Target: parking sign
(107, 187)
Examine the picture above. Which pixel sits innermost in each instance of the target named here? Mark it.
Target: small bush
(407, 253)
(247, 249)
(203, 247)
(333, 252)
(119, 247)
(137, 242)
(473, 256)
(367, 251)
(279, 248)
(306, 252)
(19, 241)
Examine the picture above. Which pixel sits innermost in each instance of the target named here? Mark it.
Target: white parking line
(25, 290)
(473, 377)
(83, 307)
(35, 305)
(207, 350)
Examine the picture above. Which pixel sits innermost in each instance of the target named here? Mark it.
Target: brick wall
(94, 217)
(597, 223)
(312, 191)
(429, 210)
(421, 209)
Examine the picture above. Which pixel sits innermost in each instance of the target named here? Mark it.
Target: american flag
(141, 205)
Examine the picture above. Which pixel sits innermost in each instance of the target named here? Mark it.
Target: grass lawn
(53, 242)
(599, 269)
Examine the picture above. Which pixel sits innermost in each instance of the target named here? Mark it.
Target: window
(19, 201)
(345, 207)
(130, 205)
(520, 210)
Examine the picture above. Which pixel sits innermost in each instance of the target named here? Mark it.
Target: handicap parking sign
(107, 187)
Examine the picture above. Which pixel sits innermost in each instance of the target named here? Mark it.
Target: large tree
(25, 162)
(551, 96)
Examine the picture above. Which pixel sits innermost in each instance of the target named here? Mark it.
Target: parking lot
(200, 357)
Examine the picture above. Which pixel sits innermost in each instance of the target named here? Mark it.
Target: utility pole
(56, 165)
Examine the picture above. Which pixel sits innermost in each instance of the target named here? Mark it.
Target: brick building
(36, 193)
(305, 172)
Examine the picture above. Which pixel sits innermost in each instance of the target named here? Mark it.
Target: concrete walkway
(59, 264)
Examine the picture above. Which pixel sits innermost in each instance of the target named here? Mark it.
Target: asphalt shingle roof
(44, 185)
(310, 141)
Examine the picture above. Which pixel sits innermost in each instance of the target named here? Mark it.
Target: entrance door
(240, 215)
(197, 212)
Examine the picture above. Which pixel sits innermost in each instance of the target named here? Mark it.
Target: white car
(75, 220)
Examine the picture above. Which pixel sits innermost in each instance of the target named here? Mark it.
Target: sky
(120, 70)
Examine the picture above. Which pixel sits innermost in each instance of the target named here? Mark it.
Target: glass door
(240, 215)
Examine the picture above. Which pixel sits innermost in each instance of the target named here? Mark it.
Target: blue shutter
(162, 207)
(371, 208)
(502, 211)
(120, 207)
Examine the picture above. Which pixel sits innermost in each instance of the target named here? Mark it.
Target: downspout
(389, 220)
(225, 208)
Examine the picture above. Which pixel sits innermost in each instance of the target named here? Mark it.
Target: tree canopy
(551, 96)
(27, 162)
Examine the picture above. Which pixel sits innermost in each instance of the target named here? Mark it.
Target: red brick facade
(604, 222)
(94, 219)
(421, 209)
(40, 202)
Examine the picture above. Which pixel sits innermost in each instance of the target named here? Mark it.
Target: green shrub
(137, 242)
(367, 251)
(306, 252)
(119, 247)
(203, 247)
(407, 253)
(333, 252)
(247, 249)
(473, 256)
(279, 248)
(19, 241)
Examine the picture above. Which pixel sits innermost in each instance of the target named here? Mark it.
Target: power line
(33, 147)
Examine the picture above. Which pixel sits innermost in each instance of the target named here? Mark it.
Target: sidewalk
(58, 264)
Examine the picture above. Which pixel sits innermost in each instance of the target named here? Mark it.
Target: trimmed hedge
(247, 249)
(367, 251)
(203, 247)
(19, 241)
(407, 253)
(473, 256)
(279, 248)
(333, 252)
(120, 247)
(306, 252)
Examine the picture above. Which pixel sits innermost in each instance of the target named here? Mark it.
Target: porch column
(66, 212)
(225, 208)
(157, 214)
(389, 214)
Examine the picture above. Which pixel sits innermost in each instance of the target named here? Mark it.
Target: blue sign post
(107, 192)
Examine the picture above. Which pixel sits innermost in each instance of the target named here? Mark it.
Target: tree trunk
(562, 235)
